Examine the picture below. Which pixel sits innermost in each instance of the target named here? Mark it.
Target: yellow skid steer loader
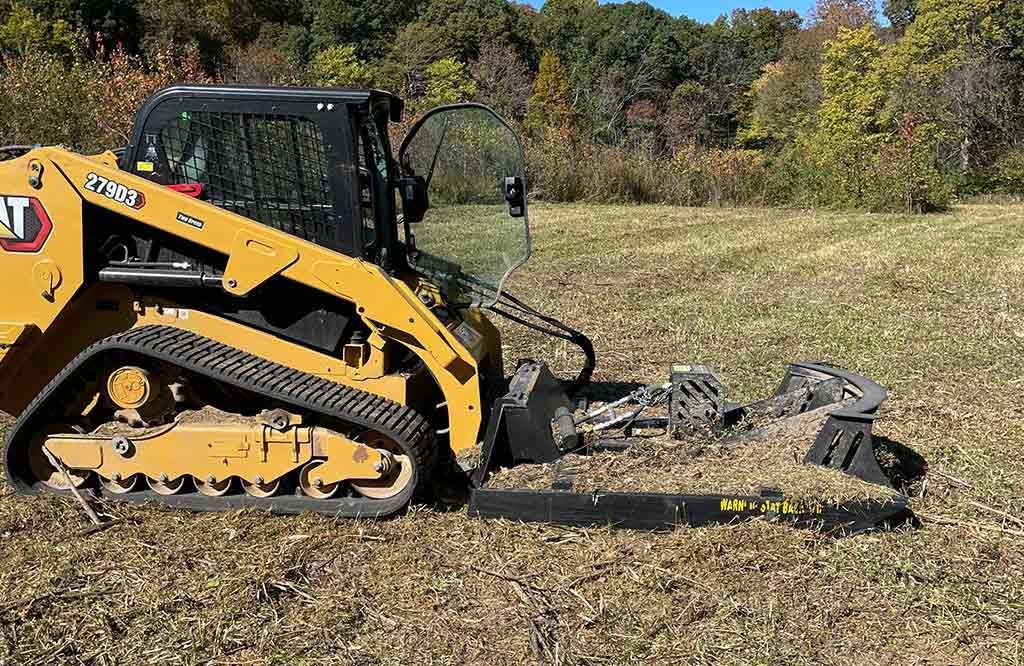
(255, 304)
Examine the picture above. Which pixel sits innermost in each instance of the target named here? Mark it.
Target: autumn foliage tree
(339, 66)
(549, 105)
(447, 82)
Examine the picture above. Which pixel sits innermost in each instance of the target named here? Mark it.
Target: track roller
(313, 486)
(211, 487)
(262, 489)
(165, 486)
(119, 486)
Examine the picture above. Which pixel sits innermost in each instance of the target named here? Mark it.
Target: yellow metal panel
(185, 449)
(385, 302)
(254, 259)
(39, 284)
(219, 450)
(60, 254)
(9, 333)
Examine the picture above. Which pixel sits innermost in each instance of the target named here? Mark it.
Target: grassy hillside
(931, 307)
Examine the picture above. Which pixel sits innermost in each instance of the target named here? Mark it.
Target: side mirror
(415, 201)
(515, 195)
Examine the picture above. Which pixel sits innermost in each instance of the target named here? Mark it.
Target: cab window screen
(269, 168)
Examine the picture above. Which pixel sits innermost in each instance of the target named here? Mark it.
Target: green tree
(848, 134)
(783, 100)
(1010, 18)
(415, 48)
(23, 32)
(182, 24)
(369, 25)
(621, 36)
(629, 53)
(338, 66)
(241, 21)
(900, 13)
(560, 26)
(781, 103)
(730, 56)
(447, 82)
(109, 23)
(549, 105)
(951, 68)
(466, 25)
(290, 40)
(762, 34)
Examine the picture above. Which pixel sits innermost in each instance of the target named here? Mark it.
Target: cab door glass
(475, 231)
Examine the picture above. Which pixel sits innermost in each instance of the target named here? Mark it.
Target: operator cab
(317, 163)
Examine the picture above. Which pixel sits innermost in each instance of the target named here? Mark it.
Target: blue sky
(709, 10)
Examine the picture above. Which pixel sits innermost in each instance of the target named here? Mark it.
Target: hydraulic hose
(555, 329)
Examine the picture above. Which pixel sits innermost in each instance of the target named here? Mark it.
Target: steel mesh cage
(269, 168)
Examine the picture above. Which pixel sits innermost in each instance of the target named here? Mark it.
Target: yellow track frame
(256, 453)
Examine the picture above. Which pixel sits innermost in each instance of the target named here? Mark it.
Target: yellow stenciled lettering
(734, 504)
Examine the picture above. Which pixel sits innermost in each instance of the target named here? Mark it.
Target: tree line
(618, 102)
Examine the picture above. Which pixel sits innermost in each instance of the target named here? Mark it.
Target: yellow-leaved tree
(549, 106)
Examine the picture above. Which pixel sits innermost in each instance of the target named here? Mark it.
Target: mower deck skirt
(660, 511)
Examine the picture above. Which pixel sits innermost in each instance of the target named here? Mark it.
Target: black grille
(270, 168)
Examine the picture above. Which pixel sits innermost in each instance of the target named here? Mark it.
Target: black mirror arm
(415, 201)
(515, 195)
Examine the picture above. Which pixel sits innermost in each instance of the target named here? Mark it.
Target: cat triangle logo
(12, 218)
(24, 224)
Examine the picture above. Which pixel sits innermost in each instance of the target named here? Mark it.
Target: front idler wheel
(397, 477)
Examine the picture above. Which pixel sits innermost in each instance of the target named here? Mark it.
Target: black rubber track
(281, 385)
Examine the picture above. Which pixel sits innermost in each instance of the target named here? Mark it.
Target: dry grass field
(932, 307)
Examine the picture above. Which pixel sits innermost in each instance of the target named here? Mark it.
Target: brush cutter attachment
(533, 423)
(844, 443)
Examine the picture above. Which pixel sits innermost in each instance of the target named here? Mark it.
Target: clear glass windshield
(470, 235)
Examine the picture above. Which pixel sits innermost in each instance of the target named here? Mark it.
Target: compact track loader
(255, 304)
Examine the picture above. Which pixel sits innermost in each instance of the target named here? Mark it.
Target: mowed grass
(931, 307)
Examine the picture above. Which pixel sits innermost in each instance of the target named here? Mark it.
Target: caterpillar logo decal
(24, 224)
